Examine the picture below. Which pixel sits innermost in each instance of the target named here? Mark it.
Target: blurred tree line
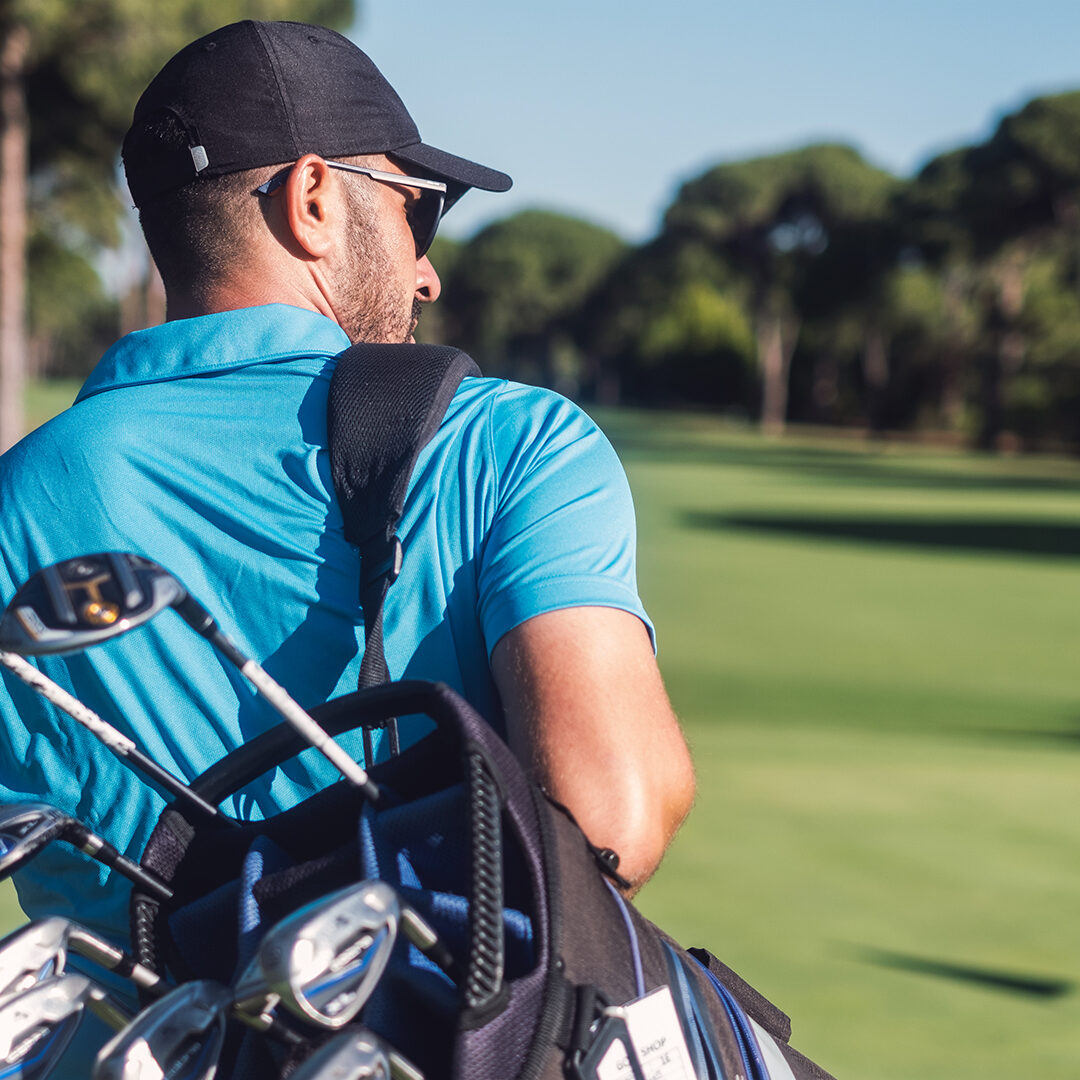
(805, 286)
(811, 287)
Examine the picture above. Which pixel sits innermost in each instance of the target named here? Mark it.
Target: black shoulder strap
(386, 402)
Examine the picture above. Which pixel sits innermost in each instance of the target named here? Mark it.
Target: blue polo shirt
(201, 444)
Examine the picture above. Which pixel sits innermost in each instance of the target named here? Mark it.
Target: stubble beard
(372, 310)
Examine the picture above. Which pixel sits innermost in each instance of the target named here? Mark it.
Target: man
(288, 202)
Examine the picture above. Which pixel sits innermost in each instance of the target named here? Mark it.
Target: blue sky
(601, 108)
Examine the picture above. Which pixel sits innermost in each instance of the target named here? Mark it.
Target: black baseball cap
(266, 93)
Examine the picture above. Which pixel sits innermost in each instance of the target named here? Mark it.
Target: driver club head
(84, 601)
(326, 958)
(179, 1036)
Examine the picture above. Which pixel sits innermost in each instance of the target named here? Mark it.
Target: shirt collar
(214, 343)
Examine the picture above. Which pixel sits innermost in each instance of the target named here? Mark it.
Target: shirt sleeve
(563, 532)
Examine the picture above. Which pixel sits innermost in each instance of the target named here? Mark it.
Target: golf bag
(557, 974)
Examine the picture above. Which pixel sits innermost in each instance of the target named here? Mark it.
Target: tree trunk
(776, 344)
(875, 365)
(954, 359)
(1005, 352)
(14, 163)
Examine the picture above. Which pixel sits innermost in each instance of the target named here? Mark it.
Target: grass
(873, 652)
(872, 649)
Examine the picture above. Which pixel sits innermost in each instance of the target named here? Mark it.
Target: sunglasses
(423, 214)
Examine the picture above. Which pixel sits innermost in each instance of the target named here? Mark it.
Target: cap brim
(454, 168)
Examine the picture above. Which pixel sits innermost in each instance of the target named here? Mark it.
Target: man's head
(235, 158)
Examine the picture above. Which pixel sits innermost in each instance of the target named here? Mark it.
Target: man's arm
(587, 712)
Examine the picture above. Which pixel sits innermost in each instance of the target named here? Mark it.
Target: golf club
(39, 949)
(112, 739)
(26, 828)
(179, 1036)
(37, 1025)
(80, 602)
(323, 961)
(357, 1055)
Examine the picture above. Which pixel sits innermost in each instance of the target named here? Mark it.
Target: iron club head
(39, 949)
(324, 960)
(37, 1024)
(357, 1055)
(179, 1036)
(27, 827)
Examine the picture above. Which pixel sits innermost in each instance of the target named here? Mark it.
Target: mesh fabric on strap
(386, 402)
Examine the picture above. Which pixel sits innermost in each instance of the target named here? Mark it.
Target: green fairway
(873, 650)
(873, 653)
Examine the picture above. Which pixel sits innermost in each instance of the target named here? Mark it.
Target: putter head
(37, 1025)
(84, 601)
(25, 828)
(179, 1036)
(326, 958)
(32, 953)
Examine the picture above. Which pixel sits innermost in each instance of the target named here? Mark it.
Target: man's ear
(311, 202)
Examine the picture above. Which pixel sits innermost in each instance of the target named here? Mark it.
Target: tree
(669, 325)
(515, 288)
(70, 73)
(70, 317)
(445, 255)
(1041, 402)
(771, 218)
(986, 213)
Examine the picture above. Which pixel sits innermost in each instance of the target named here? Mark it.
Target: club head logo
(100, 612)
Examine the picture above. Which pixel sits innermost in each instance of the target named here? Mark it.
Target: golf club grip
(370, 706)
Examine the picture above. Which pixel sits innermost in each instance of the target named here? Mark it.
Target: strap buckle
(377, 565)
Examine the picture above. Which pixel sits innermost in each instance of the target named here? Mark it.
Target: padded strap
(386, 402)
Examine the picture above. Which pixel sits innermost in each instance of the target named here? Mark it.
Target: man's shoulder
(516, 415)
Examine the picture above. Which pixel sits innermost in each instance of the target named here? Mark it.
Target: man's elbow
(650, 810)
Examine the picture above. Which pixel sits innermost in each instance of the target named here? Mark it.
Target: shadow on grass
(965, 534)
(1065, 738)
(1005, 981)
(861, 468)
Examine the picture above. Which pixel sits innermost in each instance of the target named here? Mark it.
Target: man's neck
(230, 297)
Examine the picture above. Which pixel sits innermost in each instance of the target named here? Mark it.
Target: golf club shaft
(202, 622)
(114, 959)
(109, 1011)
(417, 930)
(118, 743)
